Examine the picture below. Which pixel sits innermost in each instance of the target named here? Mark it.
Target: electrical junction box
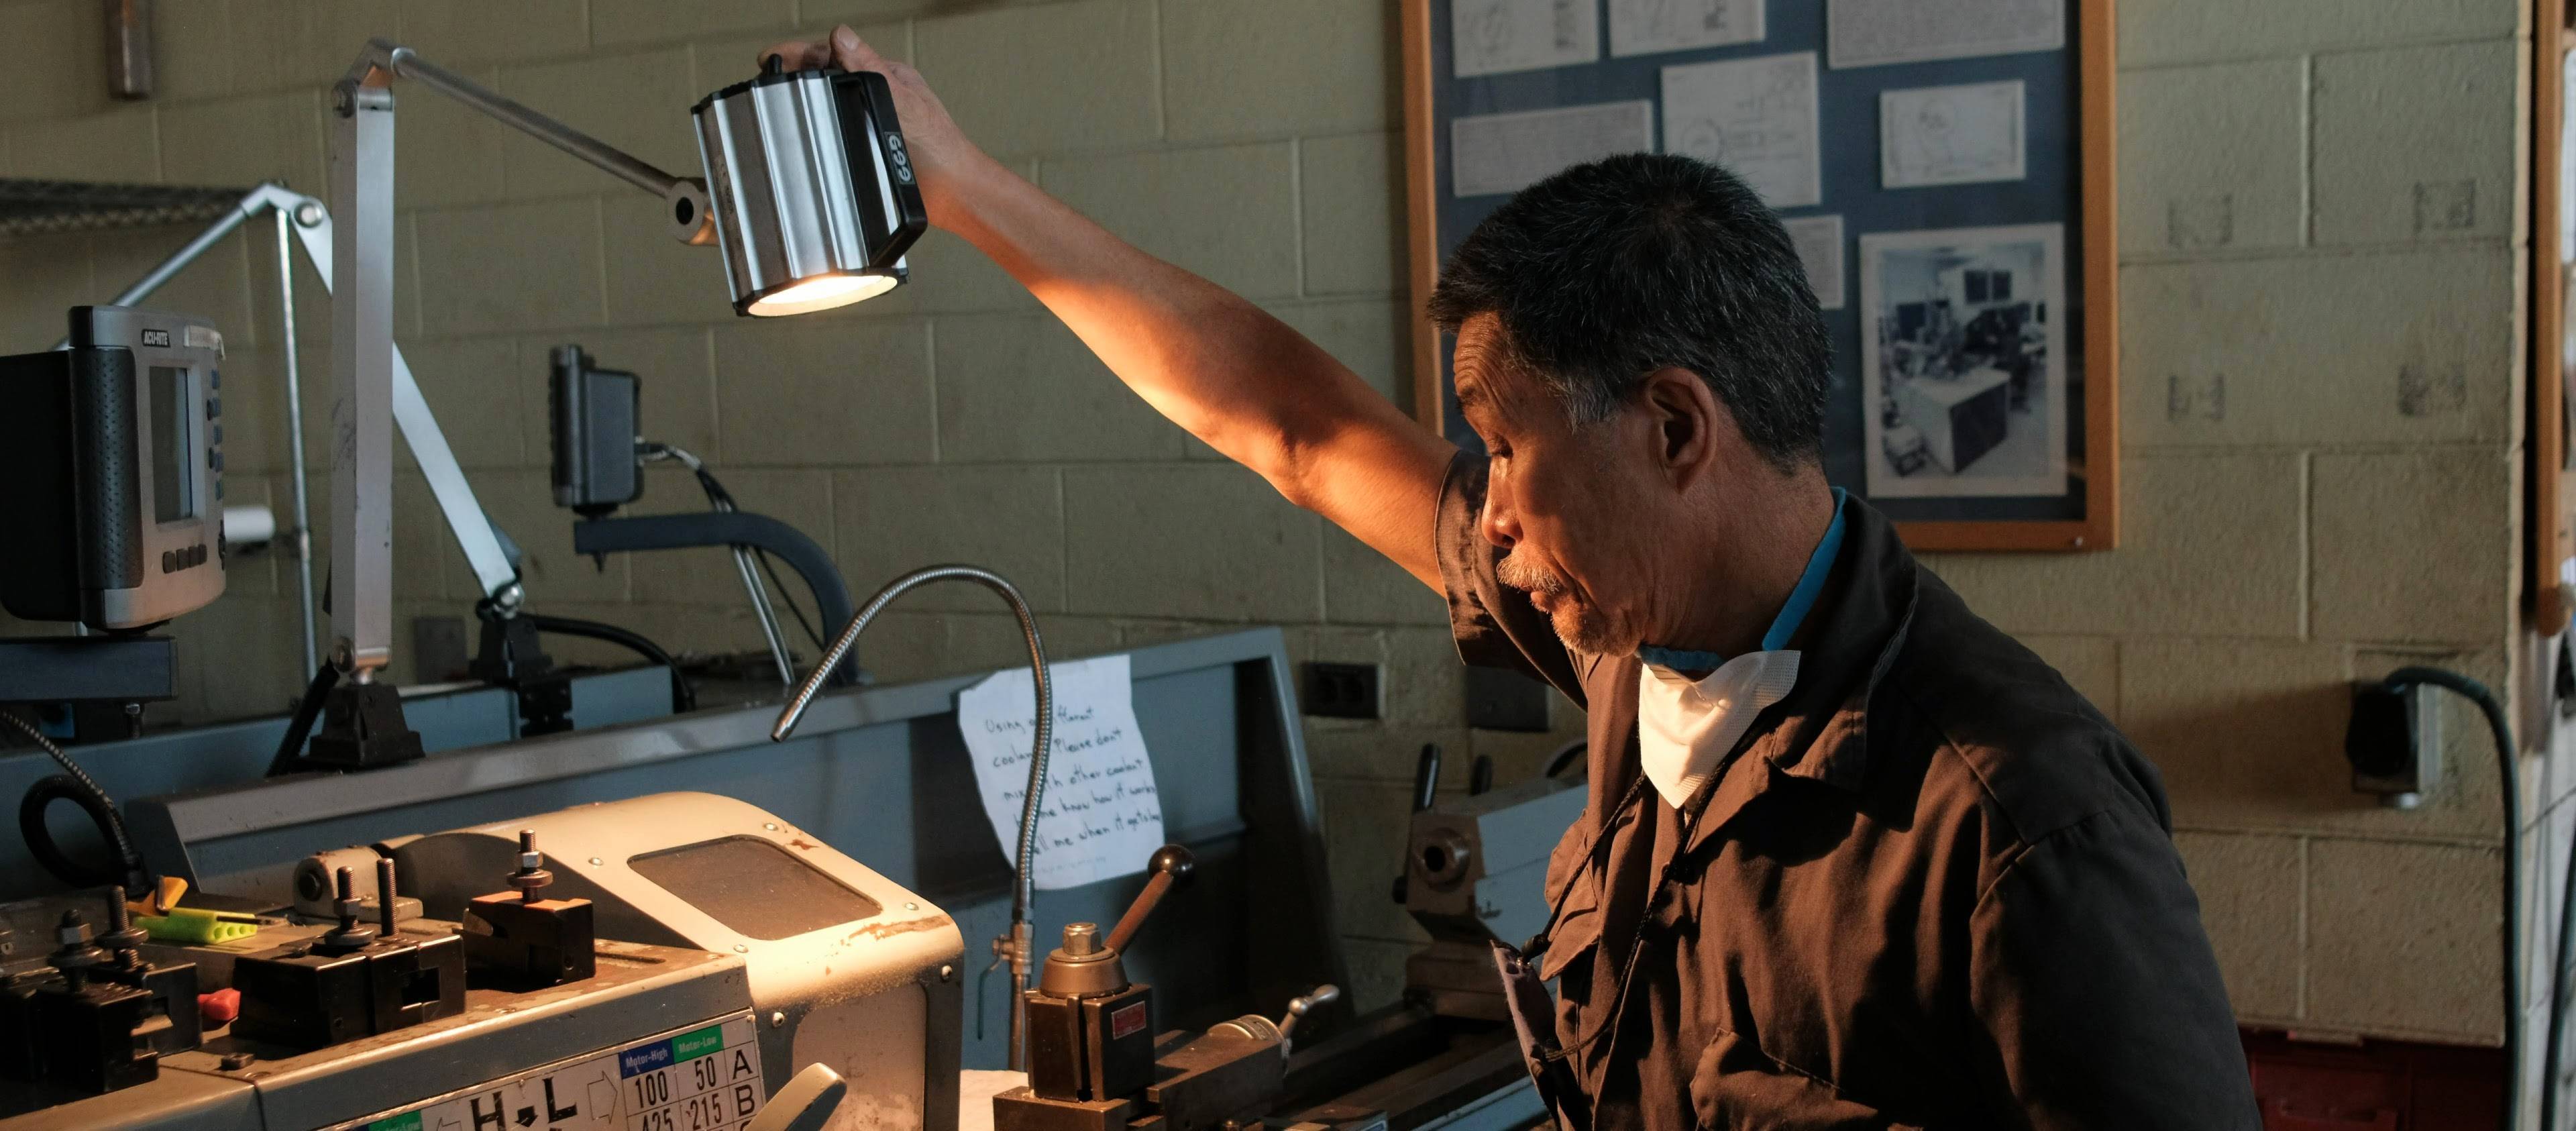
(2394, 742)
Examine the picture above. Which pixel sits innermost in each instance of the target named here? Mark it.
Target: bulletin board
(1944, 166)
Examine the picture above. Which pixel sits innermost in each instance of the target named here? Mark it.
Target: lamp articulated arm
(368, 394)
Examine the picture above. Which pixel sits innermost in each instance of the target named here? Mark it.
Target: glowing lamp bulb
(821, 293)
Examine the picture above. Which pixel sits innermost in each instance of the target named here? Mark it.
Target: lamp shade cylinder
(812, 189)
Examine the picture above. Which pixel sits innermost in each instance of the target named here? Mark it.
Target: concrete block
(1371, 336)
(2408, 347)
(475, 31)
(1245, 68)
(1015, 387)
(1351, 200)
(1057, 78)
(2250, 890)
(478, 392)
(1365, 830)
(656, 280)
(2246, 734)
(1361, 586)
(1226, 212)
(722, 62)
(615, 22)
(48, 275)
(802, 499)
(989, 642)
(244, 657)
(1188, 540)
(2210, 544)
(521, 502)
(53, 62)
(1425, 684)
(510, 267)
(420, 571)
(1377, 971)
(832, 393)
(2091, 664)
(1521, 756)
(239, 142)
(950, 276)
(446, 153)
(2403, 937)
(2154, 34)
(2415, 546)
(277, 44)
(2213, 157)
(1339, 749)
(119, 146)
(1007, 519)
(638, 103)
(216, 287)
(203, 68)
(678, 399)
(2416, 143)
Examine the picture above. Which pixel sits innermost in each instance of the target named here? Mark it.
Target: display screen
(174, 419)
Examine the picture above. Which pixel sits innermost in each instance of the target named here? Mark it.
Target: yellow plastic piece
(191, 925)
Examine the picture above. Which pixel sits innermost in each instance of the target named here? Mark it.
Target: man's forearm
(1220, 367)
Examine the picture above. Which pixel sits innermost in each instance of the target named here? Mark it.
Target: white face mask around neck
(1685, 727)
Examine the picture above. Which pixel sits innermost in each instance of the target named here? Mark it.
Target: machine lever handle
(1171, 865)
(1426, 777)
(1298, 1008)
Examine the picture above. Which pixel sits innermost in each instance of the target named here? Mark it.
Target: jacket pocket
(1738, 1087)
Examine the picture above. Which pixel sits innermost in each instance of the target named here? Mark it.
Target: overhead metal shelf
(34, 207)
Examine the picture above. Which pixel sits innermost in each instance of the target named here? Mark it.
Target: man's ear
(1686, 421)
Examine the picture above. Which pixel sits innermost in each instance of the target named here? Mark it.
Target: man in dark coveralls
(1853, 857)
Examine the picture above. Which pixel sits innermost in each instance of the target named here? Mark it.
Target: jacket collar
(1820, 732)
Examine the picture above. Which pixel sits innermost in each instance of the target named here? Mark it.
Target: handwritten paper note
(1643, 27)
(1868, 33)
(1754, 117)
(1950, 135)
(1499, 153)
(1492, 37)
(1100, 816)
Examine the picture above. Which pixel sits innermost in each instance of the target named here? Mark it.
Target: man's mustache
(1520, 574)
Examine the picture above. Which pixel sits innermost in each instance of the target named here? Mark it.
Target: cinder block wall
(2320, 212)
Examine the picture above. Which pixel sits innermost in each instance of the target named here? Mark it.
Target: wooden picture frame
(2091, 40)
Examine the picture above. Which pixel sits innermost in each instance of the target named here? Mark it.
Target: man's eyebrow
(1470, 393)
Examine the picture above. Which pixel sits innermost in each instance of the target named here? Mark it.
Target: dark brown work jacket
(1934, 888)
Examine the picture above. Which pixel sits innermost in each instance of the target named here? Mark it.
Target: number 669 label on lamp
(704, 1078)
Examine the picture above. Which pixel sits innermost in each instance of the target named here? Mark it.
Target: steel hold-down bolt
(532, 874)
(77, 955)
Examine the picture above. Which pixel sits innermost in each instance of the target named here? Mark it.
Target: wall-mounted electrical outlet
(1341, 691)
(2394, 742)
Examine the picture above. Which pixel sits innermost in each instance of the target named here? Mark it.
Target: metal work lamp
(808, 193)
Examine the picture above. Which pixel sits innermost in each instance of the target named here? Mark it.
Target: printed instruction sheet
(1499, 153)
(1868, 33)
(1644, 27)
(1819, 240)
(1755, 117)
(1492, 37)
(1100, 816)
(1950, 135)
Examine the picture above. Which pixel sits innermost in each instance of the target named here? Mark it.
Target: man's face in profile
(1571, 504)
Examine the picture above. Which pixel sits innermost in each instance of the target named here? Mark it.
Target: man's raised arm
(1217, 365)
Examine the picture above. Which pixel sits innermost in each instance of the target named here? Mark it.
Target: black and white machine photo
(1963, 368)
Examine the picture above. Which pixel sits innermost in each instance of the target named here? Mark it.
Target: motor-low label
(701, 1079)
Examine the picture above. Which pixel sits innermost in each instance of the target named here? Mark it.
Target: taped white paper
(1869, 33)
(1819, 240)
(1755, 117)
(1101, 816)
(1950, 135)
(1499, 153)
(1492, 37)
(1644, 27)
